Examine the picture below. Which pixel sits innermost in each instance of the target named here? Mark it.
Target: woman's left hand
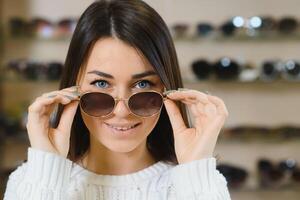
(209, 114)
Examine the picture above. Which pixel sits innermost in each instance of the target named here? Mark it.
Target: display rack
(277, 97)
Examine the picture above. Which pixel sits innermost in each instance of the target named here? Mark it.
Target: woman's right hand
(41, 135)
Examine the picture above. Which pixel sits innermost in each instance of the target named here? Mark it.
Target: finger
(68, 93)
(210, 109)
(44, 104)
(221, 107)
(174, 116)
(74, 90)
(39, 112)
(67, 117)
(189, 94)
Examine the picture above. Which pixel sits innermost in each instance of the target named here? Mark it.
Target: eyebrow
(134, 76)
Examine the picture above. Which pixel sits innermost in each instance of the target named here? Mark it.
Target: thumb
(67, 117)
(175, 116)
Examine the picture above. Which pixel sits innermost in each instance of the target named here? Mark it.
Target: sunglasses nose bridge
(117, 100)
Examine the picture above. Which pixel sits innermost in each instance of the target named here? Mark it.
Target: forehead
(115, 57)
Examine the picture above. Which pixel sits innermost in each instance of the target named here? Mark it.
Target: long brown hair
(140, 26)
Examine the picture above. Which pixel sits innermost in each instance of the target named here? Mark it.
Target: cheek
(91, 123)
(149, 124)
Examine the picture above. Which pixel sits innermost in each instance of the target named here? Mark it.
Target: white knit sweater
(47, 176)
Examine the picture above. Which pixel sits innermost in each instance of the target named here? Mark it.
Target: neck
(102, 160)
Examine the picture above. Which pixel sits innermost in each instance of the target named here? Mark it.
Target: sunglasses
(279, 174)
(141, 104)
(234, 175)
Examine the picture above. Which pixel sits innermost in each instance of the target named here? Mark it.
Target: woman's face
(118, 62)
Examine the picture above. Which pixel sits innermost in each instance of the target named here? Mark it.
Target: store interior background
(257, 104)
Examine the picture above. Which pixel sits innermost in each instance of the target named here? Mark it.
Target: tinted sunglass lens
(145, 103)
(97, 104)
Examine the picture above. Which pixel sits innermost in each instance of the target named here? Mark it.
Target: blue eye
(143, 84)
(100, 83)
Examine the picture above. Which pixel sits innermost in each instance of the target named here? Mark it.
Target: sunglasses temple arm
(165, 96)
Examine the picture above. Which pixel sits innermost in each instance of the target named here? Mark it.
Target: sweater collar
(118, 180)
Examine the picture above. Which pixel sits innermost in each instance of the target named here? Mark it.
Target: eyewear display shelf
(18, 93)
(260, 103)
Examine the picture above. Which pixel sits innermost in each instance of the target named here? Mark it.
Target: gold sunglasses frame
(116, 101)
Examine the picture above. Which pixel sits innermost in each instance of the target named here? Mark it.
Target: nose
(121, 110)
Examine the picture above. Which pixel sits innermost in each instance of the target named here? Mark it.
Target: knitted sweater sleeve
(44, 176)
(198, 180)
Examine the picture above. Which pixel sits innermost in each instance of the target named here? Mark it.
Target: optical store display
(277, 175)
(258, 133)
(247, 153)
(270, 175)
(33, 70)
(41, 27)
(235, 176)
(230, 69)
(254, 26)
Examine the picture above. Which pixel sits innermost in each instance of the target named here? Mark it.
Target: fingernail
(70, 97)
(52, 96)
(76, 87)
(168, 92)
(182, 89)
(76, 93)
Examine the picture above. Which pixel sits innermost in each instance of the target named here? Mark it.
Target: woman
(121, 130)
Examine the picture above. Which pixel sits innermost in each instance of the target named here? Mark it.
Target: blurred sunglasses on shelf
(238, 25)
(249, 26)
(223, 69)
(226, 69)
(270, 71)
(24, 68)
(202, 69)
(228, 28)
(42, 28)
(288, 25)
(249, 73)
(65, 27)
(180, 30)
(291, 70)
(257, 25)
(204, 29)
(260, 132)
(17, 27)
(32, 70)
(287, 132)
(277, 175)
(247, 133)
(269, 175)
(9, 127)
(230, 69)
(235, 176)
(268, 24)
(273, 70)
(54, 71)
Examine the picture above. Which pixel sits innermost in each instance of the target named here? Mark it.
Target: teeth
(122, 128)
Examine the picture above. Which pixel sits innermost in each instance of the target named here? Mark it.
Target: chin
(120, 147)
